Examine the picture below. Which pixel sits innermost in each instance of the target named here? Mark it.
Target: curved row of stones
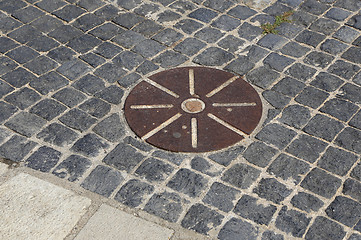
(66, 64)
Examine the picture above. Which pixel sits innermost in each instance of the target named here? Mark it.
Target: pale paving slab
(31, 208)
(3, 168)
(110, 223)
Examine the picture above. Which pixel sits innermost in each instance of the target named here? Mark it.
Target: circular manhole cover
(193, 109)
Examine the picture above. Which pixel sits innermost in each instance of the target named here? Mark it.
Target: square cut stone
(53, 213)
(110, 223)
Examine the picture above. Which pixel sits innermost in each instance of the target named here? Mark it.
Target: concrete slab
(110, 223)
(3, 168)
(34, 209)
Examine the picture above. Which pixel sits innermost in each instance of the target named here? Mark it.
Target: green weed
(271, 28)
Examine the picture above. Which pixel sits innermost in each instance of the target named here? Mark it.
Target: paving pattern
(67, 67)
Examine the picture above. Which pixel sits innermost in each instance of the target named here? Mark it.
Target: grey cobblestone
(87, 54)
(247, 207)
(43, 159)
(102, 180)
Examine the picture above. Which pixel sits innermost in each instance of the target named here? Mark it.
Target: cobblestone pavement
(68, 65)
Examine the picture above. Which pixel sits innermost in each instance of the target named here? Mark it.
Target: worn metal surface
(193, 109)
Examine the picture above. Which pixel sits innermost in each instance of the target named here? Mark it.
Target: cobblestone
(66, 68)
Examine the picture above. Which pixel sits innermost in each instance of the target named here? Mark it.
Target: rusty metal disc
(193, 109)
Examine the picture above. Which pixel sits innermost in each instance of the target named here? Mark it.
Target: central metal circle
(193, 109)
(193, 105)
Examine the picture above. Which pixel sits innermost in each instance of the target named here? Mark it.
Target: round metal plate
(193, 109)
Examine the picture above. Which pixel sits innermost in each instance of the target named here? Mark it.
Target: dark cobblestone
(289, 86)
(69, 97)
(221, 196)
(24, 34)
(277, 9)
(294, 49)
(143, 146)
(241, 12)
(16, 148)
(301, 72)
(255, 53)
(77, 119)
(170, 59)
(209, 34)
(213, 56)
(165, 205)
(133, 193)
(23, 98)
(353, 54)
(272, 190)
(288, 168)
(344, 210)
(272, 41)
(259, 154)
(231, 43)
(241, 65)
(248, 31)
(269, 235)
(89, 84)
(352, 188)
(206, 167)
(148, 66)
(90, 145)
(226, 23)
(310, 38)
(343, 69)
(95, 107)
(295, 116)
(44, 159)
(226, 157)
(248, 208)
(350, 139)
(5, 88)
(311, 97)
(238, 229)
(276, 134)
(323, 228)
(187, 182)
(62, 54)
(107, 50)
(337, 14)
(262, 76)
(333, 46)
(219, 6)
(201, 219)
(168, 36)
(69, 13)
(337, 161)
(321, 183)
(57, 134)
(323, 127)
(18, 77)
(102, 180)
(48, 109)
(241, 175)
(356, 121)
(22, 54)
(49, 82)
(154, 170)
(340, 109)
(327, 82)
(72, 168)
(277, 61)
(123, 157)
(350, 92)
(190, 46)
(306, 202)
(291, 221)
(129, 79)
(307, 148)
(43, 44)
